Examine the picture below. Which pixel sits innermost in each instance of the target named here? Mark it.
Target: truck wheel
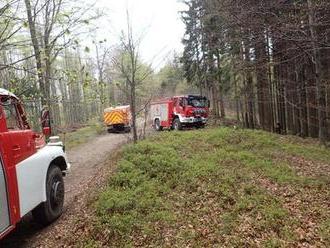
(158, 127)
(110, 129)
(177, 124)
(47, 212)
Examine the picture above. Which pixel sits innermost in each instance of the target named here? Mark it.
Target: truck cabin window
(198, 102)
(180, 102)
(183, 102)
(11, 116)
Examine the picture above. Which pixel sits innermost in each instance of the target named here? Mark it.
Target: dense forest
(263, 62)
(51, 54)
(267, 61)
(41, 60)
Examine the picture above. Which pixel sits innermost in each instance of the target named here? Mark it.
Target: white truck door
(4, 211)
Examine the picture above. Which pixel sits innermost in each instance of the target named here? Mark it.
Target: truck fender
(154, 120)
(60, 161)
(32, 176)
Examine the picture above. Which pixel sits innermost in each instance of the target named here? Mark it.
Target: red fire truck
(179, 112)
(31, 171)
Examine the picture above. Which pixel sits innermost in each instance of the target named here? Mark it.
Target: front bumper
(68, 167)
(119, 128)
(194, 120)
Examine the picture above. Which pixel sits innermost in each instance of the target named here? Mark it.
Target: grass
(82, 135)
(217, 187)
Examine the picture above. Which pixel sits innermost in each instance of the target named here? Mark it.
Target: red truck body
(179, 112)
(25, 163)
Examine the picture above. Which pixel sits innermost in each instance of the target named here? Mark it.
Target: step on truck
(118, 119)
(178, 112)
(31, 170)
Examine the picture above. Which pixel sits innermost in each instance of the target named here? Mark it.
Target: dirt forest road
(86, 161)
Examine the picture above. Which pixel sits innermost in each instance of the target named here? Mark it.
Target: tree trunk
(303, 102)
(320, 89)
(133, 110)
(37, 53)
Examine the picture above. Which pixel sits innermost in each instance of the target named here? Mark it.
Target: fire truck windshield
(198, 102)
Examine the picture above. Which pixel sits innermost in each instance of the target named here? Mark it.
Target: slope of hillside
(217, 187)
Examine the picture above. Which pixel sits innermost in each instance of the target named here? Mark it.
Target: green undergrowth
(206, 188)
(82, 135)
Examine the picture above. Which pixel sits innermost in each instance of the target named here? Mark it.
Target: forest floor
(87, 152)
(219, 187)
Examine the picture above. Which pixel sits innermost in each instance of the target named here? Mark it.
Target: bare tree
(36, 47)
(102, 55)
(132, 70)
(50, 22)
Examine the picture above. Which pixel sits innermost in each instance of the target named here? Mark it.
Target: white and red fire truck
(179, 112)
(31, 171)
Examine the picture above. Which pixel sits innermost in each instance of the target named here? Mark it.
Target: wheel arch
(158, 124)
(175, 116)
(155, 119)
(60, 162)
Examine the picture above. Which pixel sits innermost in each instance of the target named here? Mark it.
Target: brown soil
(89, 166)
(309, 168)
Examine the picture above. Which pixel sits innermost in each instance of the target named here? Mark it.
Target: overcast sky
(158, 19)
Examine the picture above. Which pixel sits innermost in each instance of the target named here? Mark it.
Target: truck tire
(177, 124)
(158, 127)
(47, 212)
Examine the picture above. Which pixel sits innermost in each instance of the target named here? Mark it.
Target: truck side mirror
(45, 122)
(46, 131)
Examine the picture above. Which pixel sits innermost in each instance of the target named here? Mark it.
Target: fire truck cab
(31, 171)
(180, 111)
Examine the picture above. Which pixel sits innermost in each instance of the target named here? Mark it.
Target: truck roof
(163, 100)
(4, 92)
(168, 99)
(188, 96)
(126, 107)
